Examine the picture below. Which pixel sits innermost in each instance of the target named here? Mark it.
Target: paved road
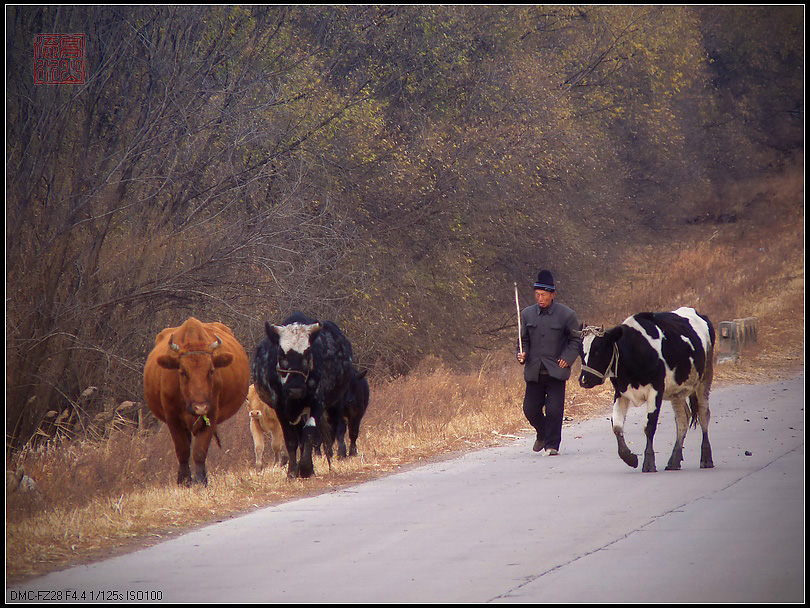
(507, 525)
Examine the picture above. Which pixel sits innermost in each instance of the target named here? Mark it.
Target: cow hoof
(299, 473)
(706, 457)
(649, 468)
(630, 459)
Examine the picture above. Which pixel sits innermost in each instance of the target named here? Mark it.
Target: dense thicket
(394, 168)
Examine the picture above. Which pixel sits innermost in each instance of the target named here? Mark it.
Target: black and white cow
(302, 370)
(648, 358)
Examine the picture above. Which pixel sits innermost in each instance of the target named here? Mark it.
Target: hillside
(395, 169)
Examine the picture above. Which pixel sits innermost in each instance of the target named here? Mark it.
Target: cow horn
(172, 345)
(217, 343)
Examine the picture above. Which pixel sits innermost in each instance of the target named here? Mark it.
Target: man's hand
(562, 363)
(521, 357)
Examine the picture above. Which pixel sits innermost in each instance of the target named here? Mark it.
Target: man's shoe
(539, 444)
(552, 452)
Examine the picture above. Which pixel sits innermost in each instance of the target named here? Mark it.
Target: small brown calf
(263, 421)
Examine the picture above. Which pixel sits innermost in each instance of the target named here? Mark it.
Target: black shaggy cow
(302, 369)
(357, 397)
(648, 358)
(348, 414)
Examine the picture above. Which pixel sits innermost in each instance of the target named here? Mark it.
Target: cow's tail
(705, 384)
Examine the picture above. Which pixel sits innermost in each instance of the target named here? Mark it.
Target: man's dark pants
(547, 393)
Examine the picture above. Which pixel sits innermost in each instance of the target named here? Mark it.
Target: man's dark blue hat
(545, 281)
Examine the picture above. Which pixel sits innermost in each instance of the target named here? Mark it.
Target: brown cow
(263, 421)
(196, 377)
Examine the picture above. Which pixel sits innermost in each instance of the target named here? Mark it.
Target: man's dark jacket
(548, 335)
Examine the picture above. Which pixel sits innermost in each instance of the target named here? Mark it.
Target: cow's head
(353, 391)
(599, 352)
(197, 365)
(295, 362)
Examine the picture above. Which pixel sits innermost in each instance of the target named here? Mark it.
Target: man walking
(550, 336)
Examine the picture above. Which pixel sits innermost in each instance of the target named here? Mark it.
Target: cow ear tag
(207, 422)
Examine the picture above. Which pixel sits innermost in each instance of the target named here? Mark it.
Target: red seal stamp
(59, 59)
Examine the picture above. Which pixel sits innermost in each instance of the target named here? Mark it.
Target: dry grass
(98, 497)
(752, 268)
